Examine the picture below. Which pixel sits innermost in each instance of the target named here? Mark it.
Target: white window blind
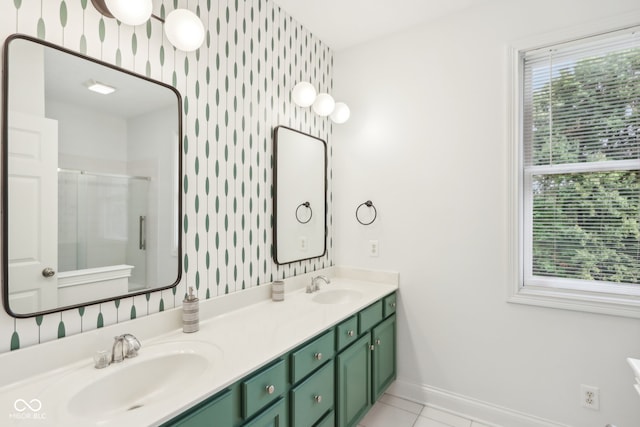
(581, 164)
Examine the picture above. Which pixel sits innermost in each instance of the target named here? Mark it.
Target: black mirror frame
(275, 196)
(5, 189)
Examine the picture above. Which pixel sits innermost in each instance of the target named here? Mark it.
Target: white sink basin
(157, 373)
(337, 296)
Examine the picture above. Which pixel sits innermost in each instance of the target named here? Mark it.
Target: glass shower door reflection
(103, 222)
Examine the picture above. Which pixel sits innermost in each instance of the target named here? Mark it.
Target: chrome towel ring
(368, 204)
(305, 205)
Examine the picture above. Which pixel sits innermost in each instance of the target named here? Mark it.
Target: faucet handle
(133, 345)
(101, 359)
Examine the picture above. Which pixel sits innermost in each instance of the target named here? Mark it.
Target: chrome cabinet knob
(317, 356)
(318, 399)
(378, 341)
(392, 304)
(270, 389)
(48, 272)
(372, 347)
(351, 333)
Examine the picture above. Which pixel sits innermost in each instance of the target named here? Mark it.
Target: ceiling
(345, 23)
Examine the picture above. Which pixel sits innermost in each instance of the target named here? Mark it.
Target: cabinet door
(353, 378)
(384, 356)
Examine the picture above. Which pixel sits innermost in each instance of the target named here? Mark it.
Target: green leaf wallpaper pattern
(235, 89)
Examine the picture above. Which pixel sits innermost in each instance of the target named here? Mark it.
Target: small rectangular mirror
(91, 171)
(300, 177)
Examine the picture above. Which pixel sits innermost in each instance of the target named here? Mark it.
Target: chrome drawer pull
(378, 341)
(351, 333)
(270, 389)
(318, 399)
(372, 347)
(317, 356)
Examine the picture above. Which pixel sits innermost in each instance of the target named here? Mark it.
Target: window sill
(610, 304)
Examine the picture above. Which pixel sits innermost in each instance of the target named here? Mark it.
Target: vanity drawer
(275, 416)
(389, 305)
(310, 357)
(329, 420)
(370, 316)
(346, 332)
(263, 388)
(312, 398)
(219, 408)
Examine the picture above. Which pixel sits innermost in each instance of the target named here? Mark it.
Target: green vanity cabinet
(312, 355)
(389, 305)
(330, 380)
(217, 410)
(353, 382)
(384, 356)
(366, 368)
(346, 332)
(313, 398)
(274, 416)
(329, 420)
(370, 316)
(263, 388)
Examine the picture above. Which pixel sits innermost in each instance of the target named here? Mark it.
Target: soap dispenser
(190, 313)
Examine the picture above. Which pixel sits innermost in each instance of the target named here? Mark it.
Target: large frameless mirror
(91, 167)
(300, 199)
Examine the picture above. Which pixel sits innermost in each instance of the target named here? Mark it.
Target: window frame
(569, 294)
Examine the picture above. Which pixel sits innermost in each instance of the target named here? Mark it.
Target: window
(579, 174)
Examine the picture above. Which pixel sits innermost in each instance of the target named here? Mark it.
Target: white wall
(89, 139)
(427, 143)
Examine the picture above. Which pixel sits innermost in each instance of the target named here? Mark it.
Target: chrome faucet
(124, 346)
(315, 285)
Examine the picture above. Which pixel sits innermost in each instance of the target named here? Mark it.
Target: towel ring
(368, 204)
(308, 206)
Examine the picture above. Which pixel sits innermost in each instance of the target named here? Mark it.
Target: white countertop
(243, 331)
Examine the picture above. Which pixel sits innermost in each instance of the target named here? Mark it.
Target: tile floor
(393, 411)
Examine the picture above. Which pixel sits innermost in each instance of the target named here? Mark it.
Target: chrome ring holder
(368, 204)
(306, 205)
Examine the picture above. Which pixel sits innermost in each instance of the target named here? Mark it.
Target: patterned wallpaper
(235, 89)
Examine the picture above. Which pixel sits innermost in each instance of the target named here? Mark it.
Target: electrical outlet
(590, 397)
(374, 249)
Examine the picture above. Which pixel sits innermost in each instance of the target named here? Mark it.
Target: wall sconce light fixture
(340, 113)
(323, 104)
(182, 27)
(304, 94)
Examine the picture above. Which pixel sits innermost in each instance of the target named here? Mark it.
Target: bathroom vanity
(332, 379)
(315, 359)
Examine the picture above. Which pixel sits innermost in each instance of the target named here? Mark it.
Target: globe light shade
(184, 30)
(130, 12)
(303, 94)
(324, 104)
(340, 113)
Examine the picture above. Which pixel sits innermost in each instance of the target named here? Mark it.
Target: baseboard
(467, 407)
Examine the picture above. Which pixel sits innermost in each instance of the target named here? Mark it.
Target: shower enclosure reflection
(102, 221)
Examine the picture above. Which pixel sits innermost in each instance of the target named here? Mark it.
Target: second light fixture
(323, 104)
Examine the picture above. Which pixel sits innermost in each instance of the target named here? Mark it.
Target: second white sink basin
(158, 373)
(337, 296)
